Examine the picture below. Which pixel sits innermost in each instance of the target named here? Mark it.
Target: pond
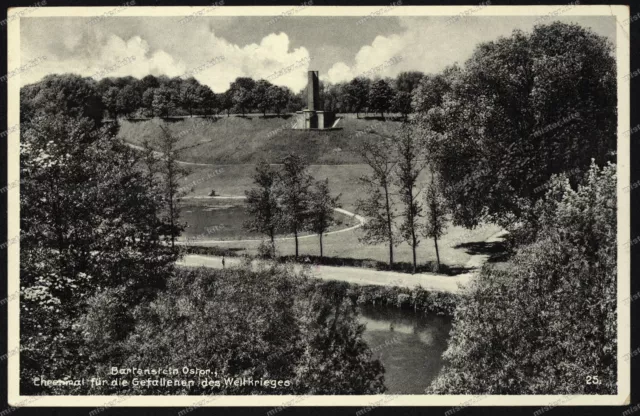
(409, 345)
(222, 219)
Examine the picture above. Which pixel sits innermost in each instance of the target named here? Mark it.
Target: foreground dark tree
(298, 330)
(89, 222)
(547, 323)
(523, 108)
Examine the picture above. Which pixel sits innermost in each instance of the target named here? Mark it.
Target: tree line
(162, 96)
(288, 200)
(403, 195)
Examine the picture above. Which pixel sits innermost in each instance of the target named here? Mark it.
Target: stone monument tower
(313, 117)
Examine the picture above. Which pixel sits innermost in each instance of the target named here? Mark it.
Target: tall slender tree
(435, 213)
(294, 193)
(411, 162)
(321, 205)
(262, 203)
(378, 207)
(171, 173)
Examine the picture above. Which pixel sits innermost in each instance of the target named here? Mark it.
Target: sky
(216, 50)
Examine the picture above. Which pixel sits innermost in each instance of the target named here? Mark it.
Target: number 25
(592, 380)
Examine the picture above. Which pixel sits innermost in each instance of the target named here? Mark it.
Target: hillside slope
(244, 140)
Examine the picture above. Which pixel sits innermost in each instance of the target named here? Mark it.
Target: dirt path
(356, 275)
(363, 276)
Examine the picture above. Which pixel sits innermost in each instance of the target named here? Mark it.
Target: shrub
(548, 321)
(264, 323)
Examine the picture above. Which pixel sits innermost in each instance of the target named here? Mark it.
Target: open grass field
(231, 146)
(233, 180)
(222, 219)
(456, 247)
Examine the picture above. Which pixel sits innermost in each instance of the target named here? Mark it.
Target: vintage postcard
(267, 206)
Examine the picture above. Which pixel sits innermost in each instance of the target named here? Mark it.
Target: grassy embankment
(233, 145)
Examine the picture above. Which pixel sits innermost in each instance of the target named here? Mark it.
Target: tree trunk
(413, 247)
(273, 244)
(412, 221)
(295, 233)
(320, 245)
(173, 237)
(435, 241)
(389, 230)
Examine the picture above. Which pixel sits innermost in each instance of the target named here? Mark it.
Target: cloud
(430, 44)
(420, 47)
(212, 60)
(216, 50)
(114, 57)
(257, 60)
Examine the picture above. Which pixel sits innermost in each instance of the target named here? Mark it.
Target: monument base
(314, 120)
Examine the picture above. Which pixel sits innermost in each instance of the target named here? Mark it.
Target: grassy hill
(244, 140)
(231, 146)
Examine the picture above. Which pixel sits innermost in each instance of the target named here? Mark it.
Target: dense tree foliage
(522, 108)
(161, 96)
(268, 323)
(70, 95)
(380, 97)
(547, 324)
(89, 220)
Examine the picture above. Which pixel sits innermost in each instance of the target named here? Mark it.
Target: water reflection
(409, 345)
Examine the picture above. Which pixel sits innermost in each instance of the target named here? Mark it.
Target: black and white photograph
(388, 205)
